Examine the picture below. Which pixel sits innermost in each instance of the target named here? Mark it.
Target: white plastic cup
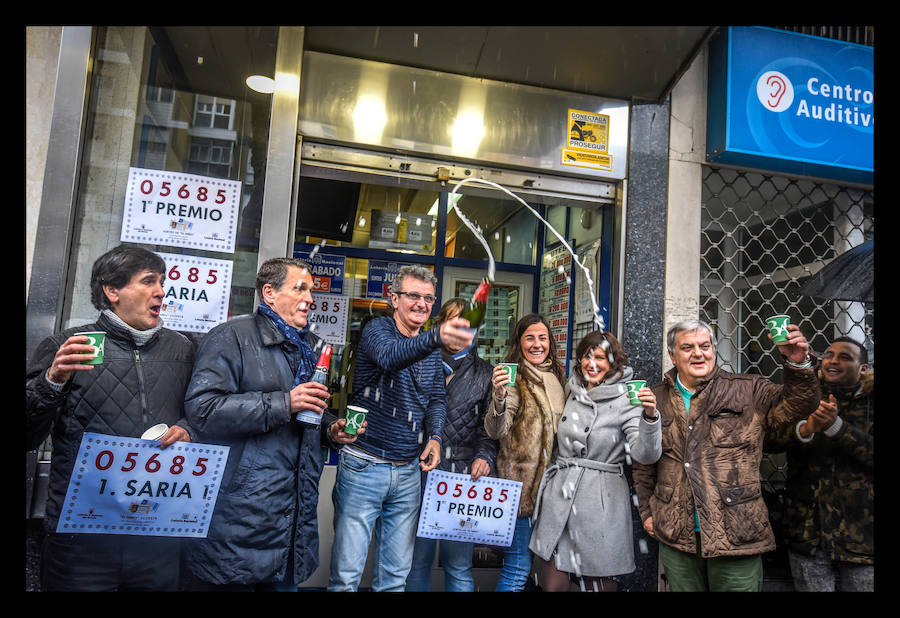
(156, 432)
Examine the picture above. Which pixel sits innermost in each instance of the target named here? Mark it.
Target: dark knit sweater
(400, 380)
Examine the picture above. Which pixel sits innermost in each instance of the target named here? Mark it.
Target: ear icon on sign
(778, 89)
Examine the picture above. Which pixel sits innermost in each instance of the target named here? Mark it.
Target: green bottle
(475, 310)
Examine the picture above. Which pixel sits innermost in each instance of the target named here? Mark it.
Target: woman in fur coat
(583, 514)
(523, 417)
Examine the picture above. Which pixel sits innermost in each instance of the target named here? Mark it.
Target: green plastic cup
(96, 339)
(778, 327)
(633, 387)
(355, 418)
(510, 369)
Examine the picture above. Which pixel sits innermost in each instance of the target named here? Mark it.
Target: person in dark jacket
(251, 377)
(829, 499)
(141, 383)
(467, 450)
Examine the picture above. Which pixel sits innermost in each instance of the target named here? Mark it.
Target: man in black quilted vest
(141, 383)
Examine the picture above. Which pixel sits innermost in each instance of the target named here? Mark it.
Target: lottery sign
(328, 317)
(131, 486)
(197, 292)
(456, 508)
(180, 210)
(327, 271)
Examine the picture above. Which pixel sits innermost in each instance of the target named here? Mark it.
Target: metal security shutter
(762, 236)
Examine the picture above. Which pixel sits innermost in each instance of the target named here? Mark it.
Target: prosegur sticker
(587, 131)
(587, 141)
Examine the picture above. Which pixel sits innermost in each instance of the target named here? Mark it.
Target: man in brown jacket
(702, 500)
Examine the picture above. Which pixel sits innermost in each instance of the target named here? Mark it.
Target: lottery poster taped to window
(180, 210)
(328, 271)
(198, 291)
(328, 317)
(130, 486)
(554, 296)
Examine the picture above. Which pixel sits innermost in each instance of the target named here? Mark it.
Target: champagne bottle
(475, 310)
(320, 375)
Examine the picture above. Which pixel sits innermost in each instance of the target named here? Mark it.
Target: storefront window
(507, 226)
(177, 140)
(556, 217)
(366, 216)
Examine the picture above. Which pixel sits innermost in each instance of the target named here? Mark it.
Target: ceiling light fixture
(261, 83)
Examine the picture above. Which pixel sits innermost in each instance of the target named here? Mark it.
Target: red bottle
(320, 375)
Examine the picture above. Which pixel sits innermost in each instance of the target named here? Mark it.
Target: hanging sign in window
(197, 292)
(180, 210)
(393, 230)
(381, 276)
(327, 271)
(328, 317)
(131, 486)
(554, 295)
(456, 508)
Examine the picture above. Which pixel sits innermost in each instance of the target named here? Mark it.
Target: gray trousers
(818, 574)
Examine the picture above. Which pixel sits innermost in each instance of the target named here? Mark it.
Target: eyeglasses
(416, 297)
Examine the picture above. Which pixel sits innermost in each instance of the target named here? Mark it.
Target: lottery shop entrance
(358, 224)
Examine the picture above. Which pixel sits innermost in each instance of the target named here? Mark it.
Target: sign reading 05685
(133, 461)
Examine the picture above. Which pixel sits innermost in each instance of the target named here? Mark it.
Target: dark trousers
(110, 562)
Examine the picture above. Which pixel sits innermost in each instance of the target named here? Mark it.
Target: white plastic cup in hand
(156, 432)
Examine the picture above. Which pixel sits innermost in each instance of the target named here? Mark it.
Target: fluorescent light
(467, 132)
(369, 118)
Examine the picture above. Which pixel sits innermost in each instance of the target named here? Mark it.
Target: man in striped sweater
(399, 379)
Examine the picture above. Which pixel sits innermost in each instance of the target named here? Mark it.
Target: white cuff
(797, 431)
(835, 428)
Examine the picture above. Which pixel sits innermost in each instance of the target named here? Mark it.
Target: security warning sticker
(587, 141)
(587, 159)
(588, 132)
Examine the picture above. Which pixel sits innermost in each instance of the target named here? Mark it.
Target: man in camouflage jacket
(829, 498)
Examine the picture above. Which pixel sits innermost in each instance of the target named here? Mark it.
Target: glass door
(510, 299)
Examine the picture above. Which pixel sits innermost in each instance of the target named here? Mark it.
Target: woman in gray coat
(583, 516)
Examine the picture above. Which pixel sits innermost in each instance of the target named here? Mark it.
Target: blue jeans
(370, 495)
(516, 559)
(456, 558)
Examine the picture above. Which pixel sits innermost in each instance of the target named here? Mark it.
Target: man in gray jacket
(140, 383)
(252, 376)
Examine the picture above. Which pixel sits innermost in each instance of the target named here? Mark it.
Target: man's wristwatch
(807, 362)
